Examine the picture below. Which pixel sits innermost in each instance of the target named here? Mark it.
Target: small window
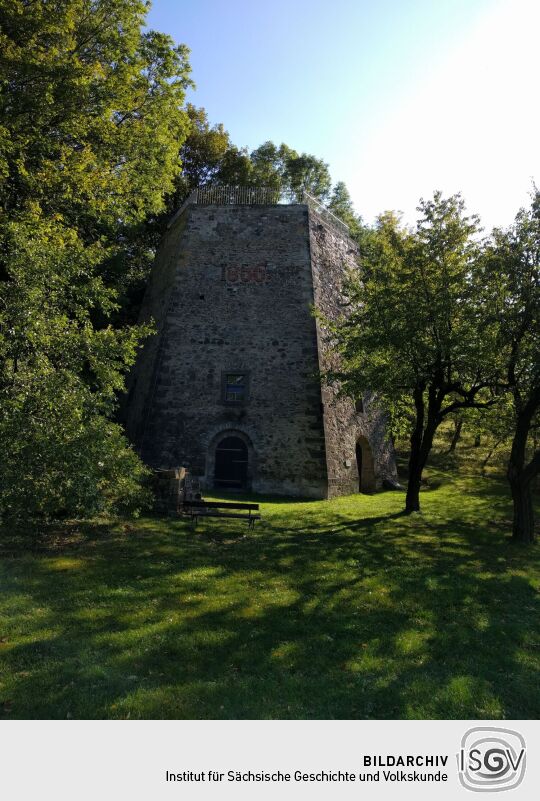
(235, 387)
(359, 406)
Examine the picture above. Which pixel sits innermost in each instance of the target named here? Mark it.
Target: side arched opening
(365, 465)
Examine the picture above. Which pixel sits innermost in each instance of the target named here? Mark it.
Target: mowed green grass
(336, 609)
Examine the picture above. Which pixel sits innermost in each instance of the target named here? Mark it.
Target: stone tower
(229, 384)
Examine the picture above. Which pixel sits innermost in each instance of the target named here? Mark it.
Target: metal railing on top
(256, 196)
(318, 207)
(236, 196)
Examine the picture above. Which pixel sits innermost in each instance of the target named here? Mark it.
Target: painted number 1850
(244, 275)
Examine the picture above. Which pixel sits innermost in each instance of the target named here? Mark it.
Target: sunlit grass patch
(343, 608)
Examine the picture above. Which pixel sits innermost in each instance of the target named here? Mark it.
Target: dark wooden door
(231, 464)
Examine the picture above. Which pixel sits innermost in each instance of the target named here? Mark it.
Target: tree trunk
(523, 524)
(490, 454)
(520, 477)
(412, 499)
(421, 442)
(456, 436)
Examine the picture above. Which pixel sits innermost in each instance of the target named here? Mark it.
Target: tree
(341, 205)
(456, 434)
(415, 331)
(90, 112)
(203, 149)
(512, 268)
(90, 123)
(61, 454)
(292, 173)
(209, 157)
(269, 165)
(306, 173)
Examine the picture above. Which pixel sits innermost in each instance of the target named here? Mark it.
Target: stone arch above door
(227, 447)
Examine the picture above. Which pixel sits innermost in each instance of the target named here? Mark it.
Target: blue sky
(400, 97)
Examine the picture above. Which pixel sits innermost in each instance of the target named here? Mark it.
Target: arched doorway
(231, 464)
(365, 465)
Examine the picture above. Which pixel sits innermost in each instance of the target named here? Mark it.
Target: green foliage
(90, 123)
(413, 310)
(306, 173)
(419, 332)
(62, 459)
(269, 165)
(512, 271)
(496, 422)
(59, 377)
(341, 205)
(210, 158)
(90, 112)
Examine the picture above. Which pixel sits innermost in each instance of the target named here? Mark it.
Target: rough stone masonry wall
(232, 290)
(333, 255)
(156, 307)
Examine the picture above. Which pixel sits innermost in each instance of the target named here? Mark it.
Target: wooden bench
(198, 509)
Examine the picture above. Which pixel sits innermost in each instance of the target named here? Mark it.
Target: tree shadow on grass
(385, 617)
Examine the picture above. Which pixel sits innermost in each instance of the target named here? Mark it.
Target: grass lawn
(336, 609)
